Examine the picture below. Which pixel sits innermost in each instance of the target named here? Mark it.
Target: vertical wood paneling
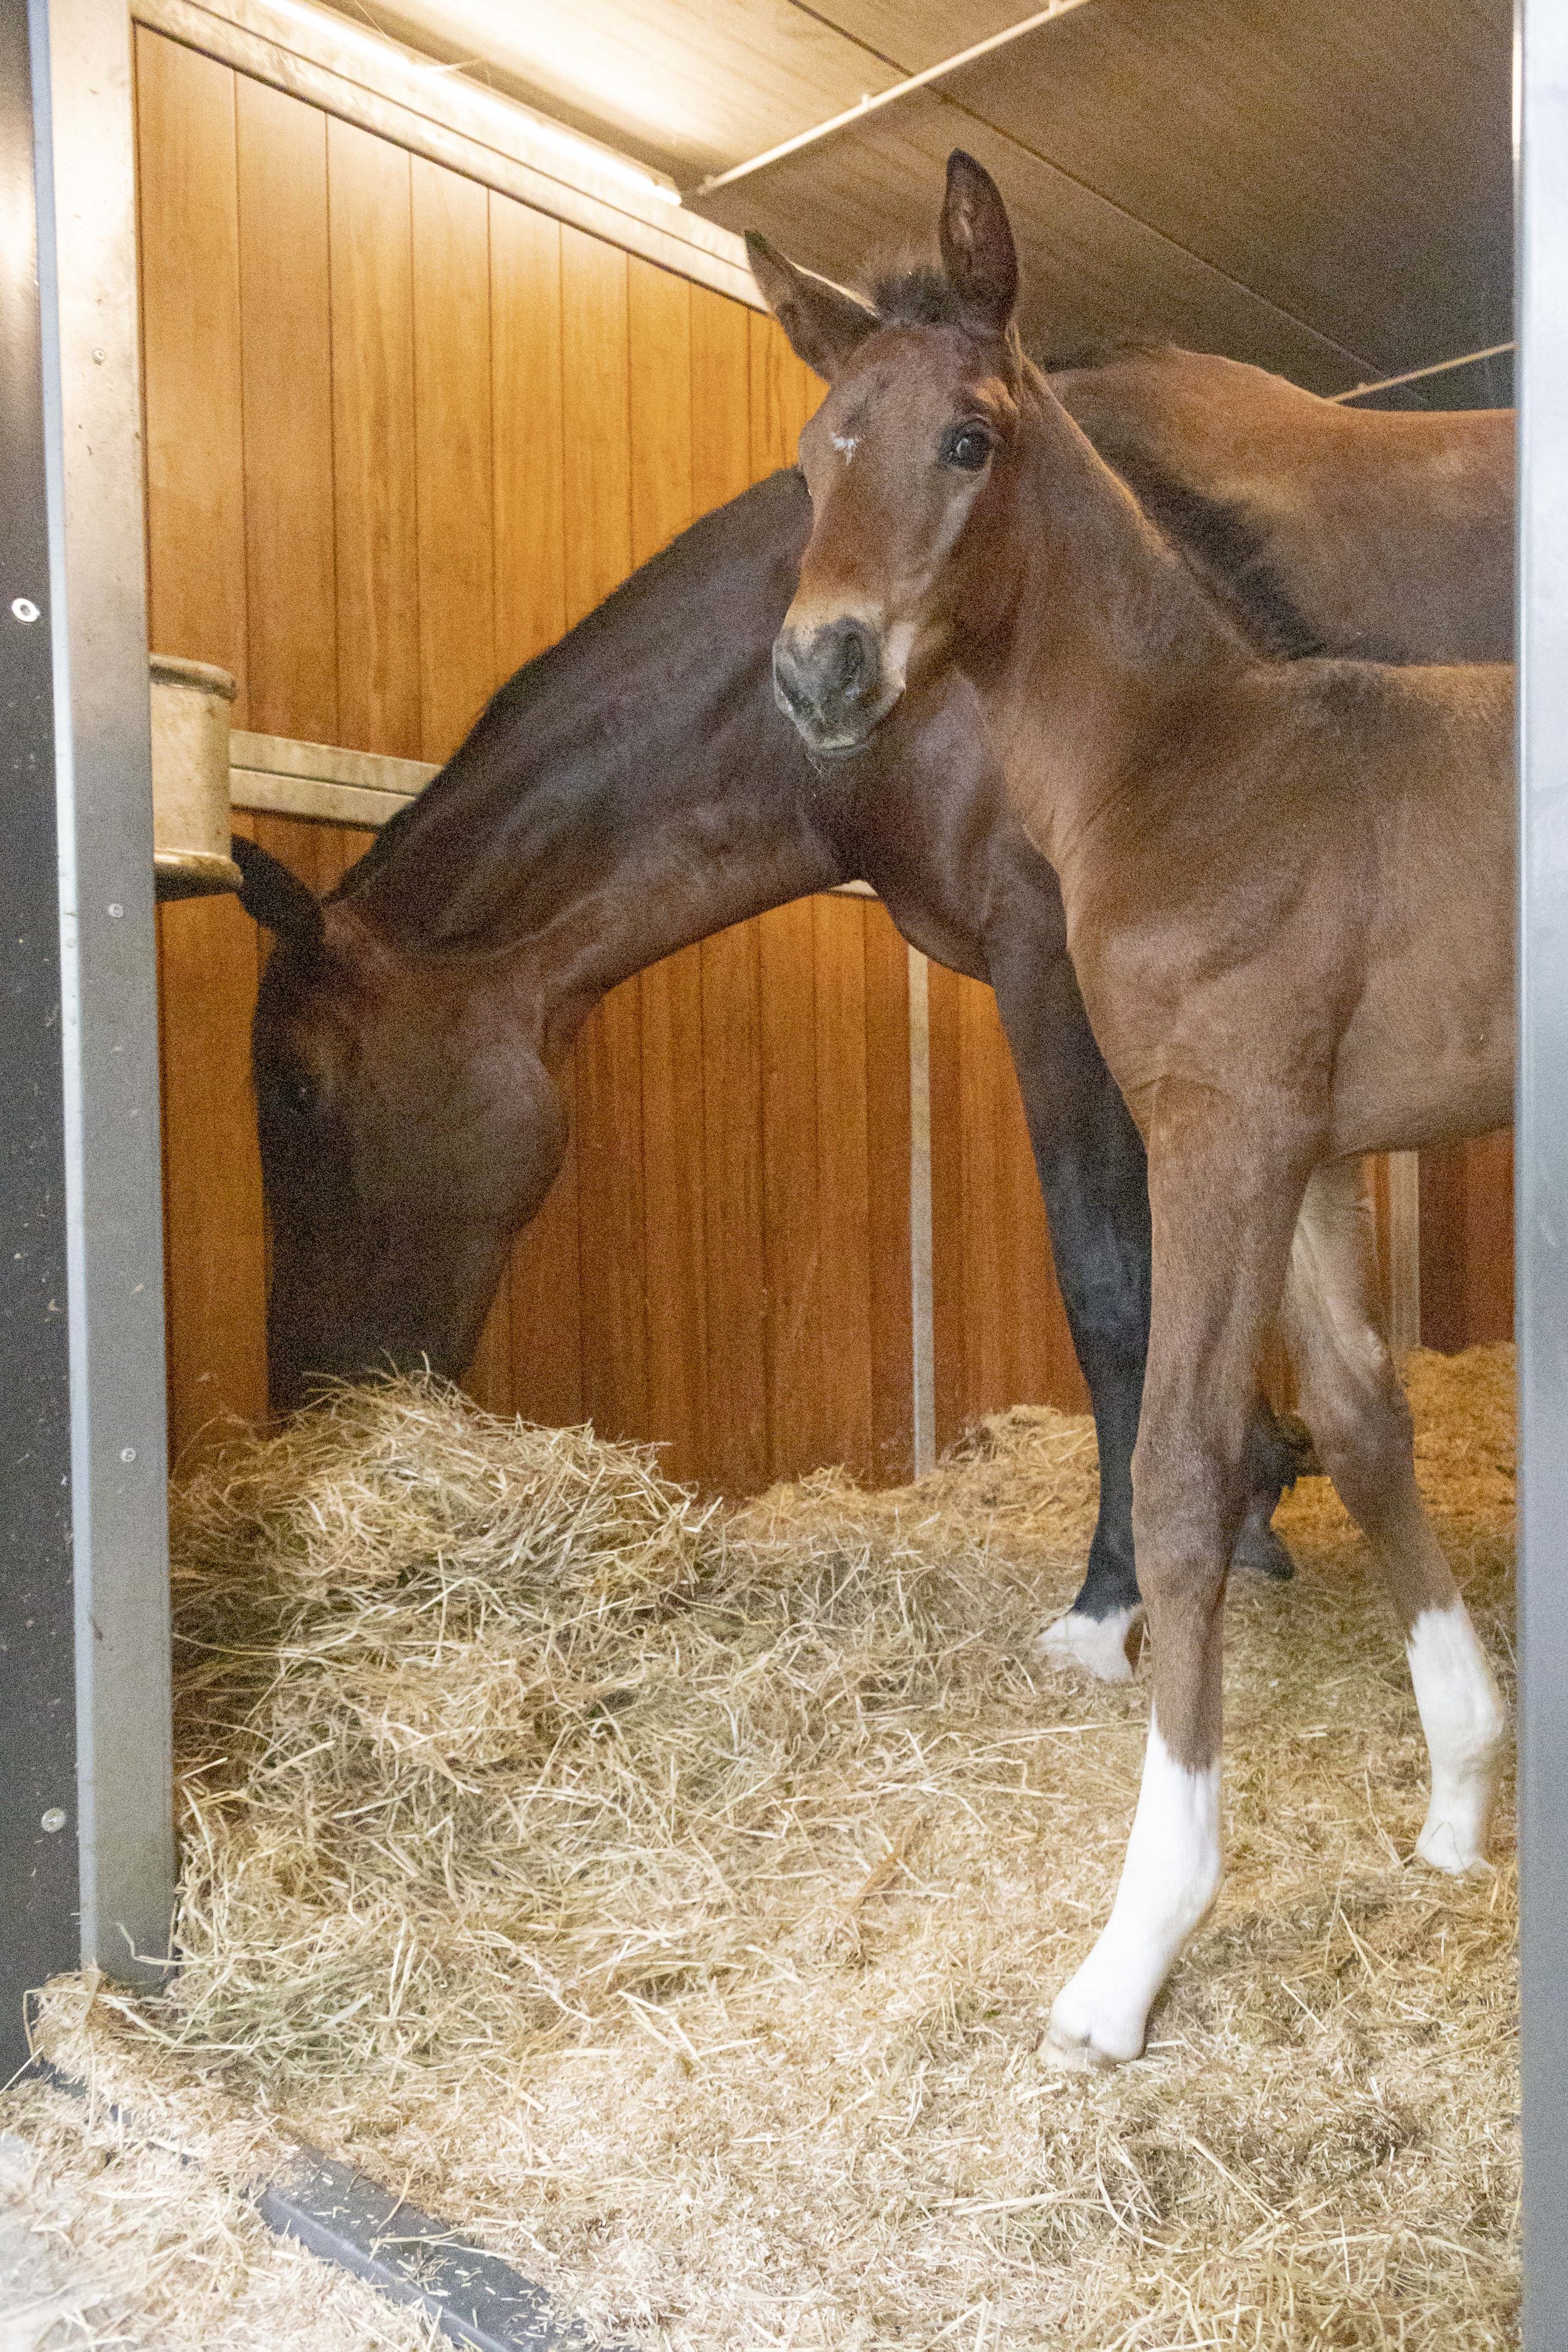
(887, 1187)
(547, 1304)
(374, 503)
(286, 394)
(777, 397)
(658, 375)
(990, 1315)
(720, 399)
(595, 380)
(1467, 1242)
(846, 1369)
(796, 1331)
(613, 1215)
(1002, 1336)
(948, 1318)
(735, 1224)
(215, 1253)
(530, 458)
(189, 207)
(454, 465)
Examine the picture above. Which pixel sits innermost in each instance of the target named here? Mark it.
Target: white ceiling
(1319, 185)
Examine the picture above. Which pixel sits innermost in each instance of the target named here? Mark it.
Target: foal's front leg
(1222, 1221)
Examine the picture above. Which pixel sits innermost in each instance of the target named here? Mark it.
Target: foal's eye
(969, 448)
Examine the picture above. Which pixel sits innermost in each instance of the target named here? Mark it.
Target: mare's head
(902, 460)
(408, 1127)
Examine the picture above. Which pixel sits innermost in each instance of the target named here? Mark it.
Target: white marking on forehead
(848, 443)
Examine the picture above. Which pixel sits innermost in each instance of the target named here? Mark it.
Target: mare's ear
(278, 899)
(977, 248)
(823, 322)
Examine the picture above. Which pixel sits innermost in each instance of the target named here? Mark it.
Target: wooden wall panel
(374, 499)
(189, 222)
(596, 376)
(529, 453)
(888, 1196)
(290, 566)
(1467, 1242)
(793, 1229)
(845, 1373)
(454, 462)
(1001, 1335)
(735, 1229)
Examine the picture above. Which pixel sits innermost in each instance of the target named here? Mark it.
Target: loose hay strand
(674, 1896)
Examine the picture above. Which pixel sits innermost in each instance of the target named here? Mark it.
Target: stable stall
(655, 1867)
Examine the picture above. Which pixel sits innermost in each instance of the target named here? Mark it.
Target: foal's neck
(632, 790)
(1087, 632)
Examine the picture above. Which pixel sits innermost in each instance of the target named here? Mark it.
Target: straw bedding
(674, 1898)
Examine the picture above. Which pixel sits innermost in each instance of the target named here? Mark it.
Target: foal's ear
(977, 248)
(823, 322)
(278, 899)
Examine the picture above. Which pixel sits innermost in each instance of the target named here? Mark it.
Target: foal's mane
(1217, 539)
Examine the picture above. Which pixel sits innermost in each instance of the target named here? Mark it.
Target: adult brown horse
(634, 788)
(1325, 529)
(1289, 892)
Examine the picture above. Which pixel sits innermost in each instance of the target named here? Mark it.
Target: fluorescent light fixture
(518, 126)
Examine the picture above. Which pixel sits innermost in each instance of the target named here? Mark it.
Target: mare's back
(1326, 529)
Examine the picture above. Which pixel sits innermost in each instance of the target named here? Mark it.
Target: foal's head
(899, 459)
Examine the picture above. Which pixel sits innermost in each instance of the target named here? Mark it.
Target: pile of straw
(675, 1899)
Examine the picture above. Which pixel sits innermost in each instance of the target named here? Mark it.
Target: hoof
(1085, 2038)
(1095, 1645)
(1260, 1549)
(1453, 1845)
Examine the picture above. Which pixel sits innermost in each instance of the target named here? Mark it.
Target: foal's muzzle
(830, 681)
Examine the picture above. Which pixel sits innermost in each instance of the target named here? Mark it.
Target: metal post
(1542, 1158)
(921, 1302)
(37, 1733)
(90, 1571)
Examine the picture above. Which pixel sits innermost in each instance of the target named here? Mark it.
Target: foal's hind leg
(1352, 1401)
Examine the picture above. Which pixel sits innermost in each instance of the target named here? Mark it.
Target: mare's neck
(1088, 638)
(632, 790)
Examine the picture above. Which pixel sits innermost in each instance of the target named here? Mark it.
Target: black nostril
(855, 665)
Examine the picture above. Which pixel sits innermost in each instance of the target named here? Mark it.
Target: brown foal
(1289, 895)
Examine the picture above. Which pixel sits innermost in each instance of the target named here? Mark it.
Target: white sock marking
(1098, 1644)
(1168, 1881)
(1465, 1721)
